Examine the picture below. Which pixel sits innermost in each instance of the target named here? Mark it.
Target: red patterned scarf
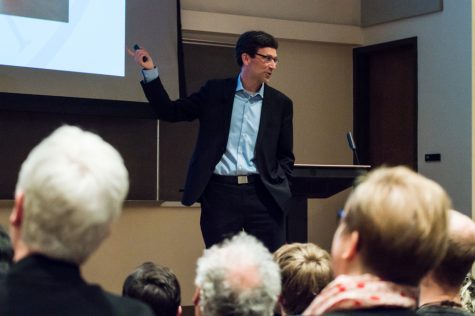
(363, 291)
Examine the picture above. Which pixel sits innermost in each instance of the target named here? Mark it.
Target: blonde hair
(402, 220)
(305, 270)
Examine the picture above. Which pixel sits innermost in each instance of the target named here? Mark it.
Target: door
(385, 103)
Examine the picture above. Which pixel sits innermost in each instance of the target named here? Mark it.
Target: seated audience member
(70, 189)
(467, 293)
(237, 277)
(392, 232)
(440, 288)
(157, 286)
(305, 270)
(6, 252)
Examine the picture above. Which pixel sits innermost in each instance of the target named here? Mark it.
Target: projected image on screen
(77, 35)
(55, 10)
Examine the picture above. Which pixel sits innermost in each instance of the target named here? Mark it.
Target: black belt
(235, 179)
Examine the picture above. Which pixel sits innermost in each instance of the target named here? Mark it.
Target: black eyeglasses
(268, 58)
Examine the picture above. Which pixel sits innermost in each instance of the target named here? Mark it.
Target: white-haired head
(238, 277)
(73, 185)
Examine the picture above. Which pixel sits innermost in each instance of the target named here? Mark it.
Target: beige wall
(318, 78)
(144, 232)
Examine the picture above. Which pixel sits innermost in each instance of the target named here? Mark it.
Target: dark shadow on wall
(128, 126)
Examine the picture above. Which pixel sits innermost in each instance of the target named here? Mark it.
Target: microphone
(351, 143)
(144, 58)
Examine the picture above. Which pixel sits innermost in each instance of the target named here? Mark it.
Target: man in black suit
(70, 189)
(243, 156)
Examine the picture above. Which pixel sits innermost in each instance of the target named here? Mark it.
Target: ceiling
(346, 12)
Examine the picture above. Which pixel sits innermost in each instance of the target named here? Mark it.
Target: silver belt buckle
(242, 180)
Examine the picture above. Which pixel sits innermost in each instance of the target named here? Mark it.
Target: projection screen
(77, 48)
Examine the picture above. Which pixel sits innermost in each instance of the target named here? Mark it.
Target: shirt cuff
(150, 74)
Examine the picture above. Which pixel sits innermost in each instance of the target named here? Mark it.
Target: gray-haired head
(73, 185)
(238, 277)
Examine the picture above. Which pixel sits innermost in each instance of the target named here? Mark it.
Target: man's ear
(245, 58)
(179, 311)
(351, 248)
(16, 216)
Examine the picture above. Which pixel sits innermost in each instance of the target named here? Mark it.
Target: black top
(375, 311)
(40, 286)
(441, 310)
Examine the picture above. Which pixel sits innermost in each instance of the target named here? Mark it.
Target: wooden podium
(315, 181)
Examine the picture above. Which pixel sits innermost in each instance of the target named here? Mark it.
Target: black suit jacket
(212, 106)
(37, 285)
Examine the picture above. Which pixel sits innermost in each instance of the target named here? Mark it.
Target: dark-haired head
(155, 285)
(251, 41)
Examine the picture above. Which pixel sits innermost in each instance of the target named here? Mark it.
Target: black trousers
(227, 209)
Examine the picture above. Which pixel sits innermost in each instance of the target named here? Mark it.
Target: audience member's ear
(427, 280)
(196, 301)
(351, 248)
(280, 305)
(179, 311)
(16, 216)
(196, 296)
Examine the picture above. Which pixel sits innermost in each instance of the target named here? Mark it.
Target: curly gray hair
(467, 293)
(238, 277)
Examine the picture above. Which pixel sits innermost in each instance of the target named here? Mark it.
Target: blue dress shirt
(238, 158)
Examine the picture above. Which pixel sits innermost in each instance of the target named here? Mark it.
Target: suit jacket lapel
(266, 114)
(228, 100)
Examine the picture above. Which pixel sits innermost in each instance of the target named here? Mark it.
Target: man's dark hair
(251, 41)
(156, 286)
(6, 252)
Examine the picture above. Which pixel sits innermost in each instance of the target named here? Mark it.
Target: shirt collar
(239, 87)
